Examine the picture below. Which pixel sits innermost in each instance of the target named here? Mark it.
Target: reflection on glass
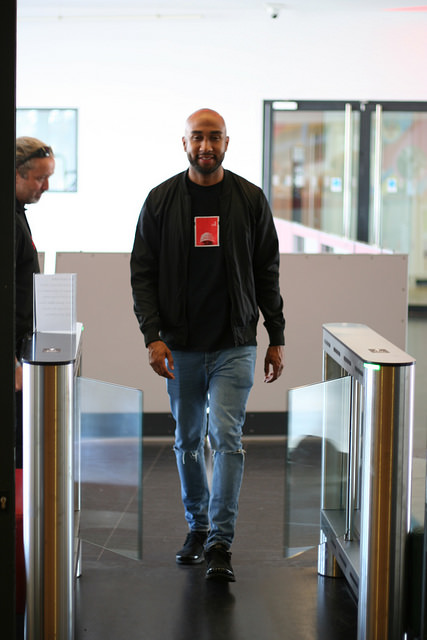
(308, 168)
(110, 460)
(315, 412)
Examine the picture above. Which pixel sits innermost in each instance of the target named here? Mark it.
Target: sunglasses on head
(43, 152)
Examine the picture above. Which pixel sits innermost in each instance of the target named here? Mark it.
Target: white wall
(135, 82)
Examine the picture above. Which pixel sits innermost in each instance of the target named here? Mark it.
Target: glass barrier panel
(315, 413)
(109, 457)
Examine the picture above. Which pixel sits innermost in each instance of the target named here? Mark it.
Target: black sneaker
(219, 564)
(192, 551)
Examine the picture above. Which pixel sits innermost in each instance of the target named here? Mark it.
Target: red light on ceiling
(420, 8)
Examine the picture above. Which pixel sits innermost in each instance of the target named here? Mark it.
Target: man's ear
(184, 143)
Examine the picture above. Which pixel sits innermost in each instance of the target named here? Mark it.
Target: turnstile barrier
(371, 503)
(82, 439)
(50, 365)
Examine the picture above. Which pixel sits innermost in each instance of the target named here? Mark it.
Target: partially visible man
(34, 165)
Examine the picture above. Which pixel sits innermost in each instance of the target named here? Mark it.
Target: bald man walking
(205, 261)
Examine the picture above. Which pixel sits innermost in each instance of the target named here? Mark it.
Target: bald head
(205, 141)
(203, 115)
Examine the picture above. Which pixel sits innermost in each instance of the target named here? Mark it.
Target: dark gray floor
(155, 599)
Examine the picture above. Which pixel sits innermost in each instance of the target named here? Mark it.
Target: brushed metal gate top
(353, 346)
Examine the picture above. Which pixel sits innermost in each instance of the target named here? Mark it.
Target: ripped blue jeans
(218, 382)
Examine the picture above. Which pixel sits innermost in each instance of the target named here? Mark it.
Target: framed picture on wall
(58, 129)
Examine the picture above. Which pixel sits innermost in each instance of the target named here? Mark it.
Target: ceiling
(202, 8)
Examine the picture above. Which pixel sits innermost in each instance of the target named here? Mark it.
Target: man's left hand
(274, 363)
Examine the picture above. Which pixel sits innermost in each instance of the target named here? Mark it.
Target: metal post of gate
(50, 363)
(372, 554)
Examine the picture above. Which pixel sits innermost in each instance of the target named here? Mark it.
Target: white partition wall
(317, 289)
(114, 346)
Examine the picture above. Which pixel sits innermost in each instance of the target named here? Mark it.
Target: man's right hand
(158, 353)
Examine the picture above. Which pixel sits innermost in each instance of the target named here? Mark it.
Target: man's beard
(205, 170)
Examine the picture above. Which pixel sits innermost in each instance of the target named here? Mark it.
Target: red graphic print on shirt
(206, 231)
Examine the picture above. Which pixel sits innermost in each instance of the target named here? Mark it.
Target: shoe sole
(220, 576)
(190, 560)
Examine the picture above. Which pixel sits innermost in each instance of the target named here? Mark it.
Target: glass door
(354, 169)
(311, 165)
(398, 193)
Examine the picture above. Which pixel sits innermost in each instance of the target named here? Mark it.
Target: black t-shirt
(208, 302)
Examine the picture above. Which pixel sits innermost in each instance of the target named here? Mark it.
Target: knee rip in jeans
(233, 453)
(194, 455)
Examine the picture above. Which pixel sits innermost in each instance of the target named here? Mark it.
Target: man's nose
(45, 185)
(206, 145)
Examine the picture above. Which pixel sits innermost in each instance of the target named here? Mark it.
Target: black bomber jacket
(160, 255)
